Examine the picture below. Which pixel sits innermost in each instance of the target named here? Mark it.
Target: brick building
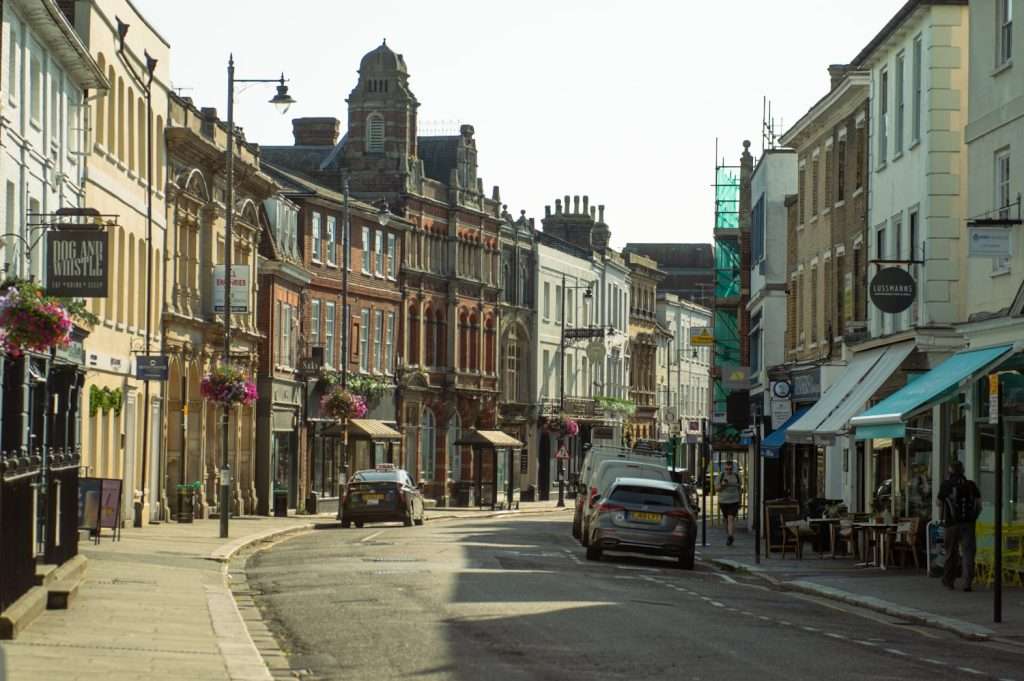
(689, 269)
(446, 350)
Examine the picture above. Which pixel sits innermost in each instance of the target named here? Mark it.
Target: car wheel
(359, 524)
(346, 524)
(686, 560)
(593, 552)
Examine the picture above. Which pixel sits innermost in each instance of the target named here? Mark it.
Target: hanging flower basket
(228, 386)
(341, 404)
(569, 427)
(30, 320)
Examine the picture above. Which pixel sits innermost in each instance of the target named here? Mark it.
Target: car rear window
(609, 474)
(376, 476)
(647, 496)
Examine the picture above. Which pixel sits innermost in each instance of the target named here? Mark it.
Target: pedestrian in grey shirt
(729, 491)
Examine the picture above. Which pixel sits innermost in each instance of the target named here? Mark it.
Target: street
(514, 598)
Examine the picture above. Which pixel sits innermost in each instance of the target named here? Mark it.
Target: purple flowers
(31, 321)
(227, 385)
(340, 404)
(570, 427)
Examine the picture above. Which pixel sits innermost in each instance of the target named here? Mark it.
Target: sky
(619, 100)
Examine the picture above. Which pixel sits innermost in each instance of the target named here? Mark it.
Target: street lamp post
(283, 101)
(587, 294)
(145, 84)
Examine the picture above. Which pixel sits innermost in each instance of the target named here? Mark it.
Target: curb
(224, 553)
(965, 630)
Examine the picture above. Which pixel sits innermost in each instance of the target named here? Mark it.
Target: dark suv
(384, 494)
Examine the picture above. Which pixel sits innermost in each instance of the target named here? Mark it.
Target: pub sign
(77, 263)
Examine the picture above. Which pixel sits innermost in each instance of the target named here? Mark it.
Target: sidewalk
(154, 605)
(903, 593)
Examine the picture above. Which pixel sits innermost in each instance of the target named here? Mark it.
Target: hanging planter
(32, 321)
(228, 386)
(569, 427)
(340, 404)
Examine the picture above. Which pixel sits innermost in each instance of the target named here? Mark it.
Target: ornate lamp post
(282, 101)
(587, 295)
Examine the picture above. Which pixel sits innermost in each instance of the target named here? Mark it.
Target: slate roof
(439, 155)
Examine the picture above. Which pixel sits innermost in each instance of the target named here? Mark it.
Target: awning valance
(774, 441)
(864, 375)
(927, 390)
(365, 429)
(488, 438)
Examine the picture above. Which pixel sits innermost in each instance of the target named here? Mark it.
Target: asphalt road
(514, 598)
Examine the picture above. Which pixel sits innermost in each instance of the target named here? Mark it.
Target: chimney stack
(836, 73)
(558, 206)
(316, 132)
(600, 214)
(586, 204)
(576, 204)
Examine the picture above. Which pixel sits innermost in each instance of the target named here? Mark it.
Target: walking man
(729, 491)
(961, 506)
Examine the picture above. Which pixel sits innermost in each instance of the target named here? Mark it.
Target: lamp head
(384, 215)
(588, 293)
(282, 100)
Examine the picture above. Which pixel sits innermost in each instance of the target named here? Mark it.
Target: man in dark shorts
(961, 505)
(729, 492)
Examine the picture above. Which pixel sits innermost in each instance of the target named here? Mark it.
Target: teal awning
(925, 391)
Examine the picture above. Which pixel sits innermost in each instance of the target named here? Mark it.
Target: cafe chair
(905, 541)
(800, 532)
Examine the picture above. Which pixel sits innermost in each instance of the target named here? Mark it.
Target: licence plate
(646, 517)
(371, 498)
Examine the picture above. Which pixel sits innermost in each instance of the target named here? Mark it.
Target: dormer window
(375, 133)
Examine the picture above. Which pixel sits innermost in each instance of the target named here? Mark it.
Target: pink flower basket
(340, 404)
(228, 386)
(31, 321)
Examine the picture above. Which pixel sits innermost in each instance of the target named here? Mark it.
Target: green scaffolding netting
(727, 197)
(727, 338)
(727, 268)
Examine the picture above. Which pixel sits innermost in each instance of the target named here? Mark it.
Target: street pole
(345, 242)
(757, 490)
(997, 585)
(703, 482)
(224, 501)
(561, 395)
(147, 85)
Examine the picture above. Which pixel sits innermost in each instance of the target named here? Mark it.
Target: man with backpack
(961, 506)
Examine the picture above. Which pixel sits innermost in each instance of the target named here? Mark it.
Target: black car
(384, 494)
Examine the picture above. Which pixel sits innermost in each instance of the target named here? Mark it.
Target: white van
(597, 455)
(608, 472)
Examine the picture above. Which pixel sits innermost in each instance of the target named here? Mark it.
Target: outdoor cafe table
(879, 532)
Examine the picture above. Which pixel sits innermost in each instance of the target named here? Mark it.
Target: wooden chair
(800, 532)
(905, 540)
(777, 514)
(843, 535)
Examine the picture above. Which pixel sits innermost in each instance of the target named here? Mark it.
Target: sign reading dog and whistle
(77, 263)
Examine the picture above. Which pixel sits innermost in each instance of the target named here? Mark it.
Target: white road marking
(931, 660)
(764, 618)
(717, 604)
(971, 671)
(869, 644)
(896, 652)
(811, 629)
(371, 536)
(727, 578)
(834, 635)
(785, 623)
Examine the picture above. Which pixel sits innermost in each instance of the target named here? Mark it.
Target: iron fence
(19, 477)
(61, 533)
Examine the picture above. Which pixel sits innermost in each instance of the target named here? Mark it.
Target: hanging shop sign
(240, 283)
(151, 367)
(702, 336)
(735, 377)
(781, 410)
(584, 332)
(893, 290)
(988, 242)
(76, 263)
(806, 385)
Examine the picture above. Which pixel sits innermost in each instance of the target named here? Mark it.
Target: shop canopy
(366, 429)
(864, 375)
(488, 438)
(773, 442)
(888, 417)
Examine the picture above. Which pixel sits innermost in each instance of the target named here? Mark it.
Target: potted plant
(569, 427)
(30, 320)
(227, 385)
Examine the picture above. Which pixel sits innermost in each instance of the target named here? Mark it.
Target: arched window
(427, 444)
(429, 338)
(463, 341)
(111, 112)
(158, 154)
(375, 133)
(454, 451)
(130, 113)
(441, 348)
(585, 388)
(489, 345)
(143, 137)
(524, 280)
(512, 366)
(414, 337)
(120, 119)
(132, 284)
(101, 107)
(474, 343)
(508, 286)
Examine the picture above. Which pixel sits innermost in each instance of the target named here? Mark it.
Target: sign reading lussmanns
(77, 263)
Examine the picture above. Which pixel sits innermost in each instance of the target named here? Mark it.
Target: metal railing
(19, 477)
(61, 529)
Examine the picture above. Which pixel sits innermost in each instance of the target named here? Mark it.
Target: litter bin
(280, 502)
(186, 506)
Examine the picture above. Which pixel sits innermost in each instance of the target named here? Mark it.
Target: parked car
(644, 516)
(382, 494)
(605, 475)
(592, 459)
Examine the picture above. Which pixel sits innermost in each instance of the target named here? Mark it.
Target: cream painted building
(116, 184)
